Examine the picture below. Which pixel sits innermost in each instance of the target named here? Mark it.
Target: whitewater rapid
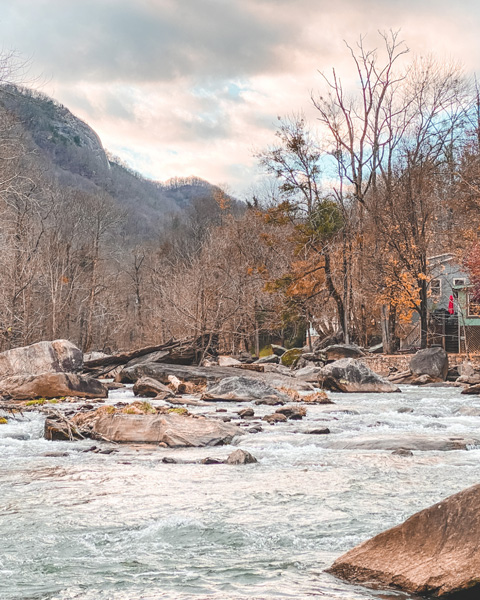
(125, 526)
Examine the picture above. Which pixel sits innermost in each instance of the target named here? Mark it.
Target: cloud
(178, 87)
(146, 41)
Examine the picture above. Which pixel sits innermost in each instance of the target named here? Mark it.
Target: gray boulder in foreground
(435, 552)
(52, 385)
(242, 389)
(172, 429)
(59, 356)
(351, 375)
(431, 361)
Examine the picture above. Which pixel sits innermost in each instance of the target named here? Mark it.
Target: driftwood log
(179, 352)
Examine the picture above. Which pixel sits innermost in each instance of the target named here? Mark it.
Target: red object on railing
(451, 310)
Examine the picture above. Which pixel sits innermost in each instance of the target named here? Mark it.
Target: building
(452, 323)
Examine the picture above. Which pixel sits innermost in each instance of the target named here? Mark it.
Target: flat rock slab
(205, 375)
(242, 389)
(435, 552)
(59, 356)
(419, 442)
(339, 351)
(52, 385)
(171, 429)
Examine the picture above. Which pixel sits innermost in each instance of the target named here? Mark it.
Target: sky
(195, 87)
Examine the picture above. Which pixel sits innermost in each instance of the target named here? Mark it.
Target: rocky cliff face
(73, 153)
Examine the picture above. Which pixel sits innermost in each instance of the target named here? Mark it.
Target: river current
(125, 526)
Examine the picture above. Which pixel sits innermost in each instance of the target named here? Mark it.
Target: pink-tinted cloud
(179, 87)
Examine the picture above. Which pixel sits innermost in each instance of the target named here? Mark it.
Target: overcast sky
(193, 87)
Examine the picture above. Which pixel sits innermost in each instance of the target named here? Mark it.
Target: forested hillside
(73, 154)
(82, 236)
(97, 254)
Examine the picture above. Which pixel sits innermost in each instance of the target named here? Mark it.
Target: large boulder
(242, 389)
(59, 356)
(150, 388)
(172, 429)
(351, 375)
(431, 361)
(51, 385)
(309, 374)
(435, 552)
(339, 351)
(290, 357)
(278, 350)
(472, 389)
(240, 457)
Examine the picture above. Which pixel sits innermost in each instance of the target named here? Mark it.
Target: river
(125, 526)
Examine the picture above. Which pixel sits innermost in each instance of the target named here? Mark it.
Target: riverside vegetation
(94, 253)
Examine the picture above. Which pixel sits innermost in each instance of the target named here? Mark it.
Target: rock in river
(350, 375)
(150, 388)
(430, 361)
(420, 442)
(240, 457)
(59, 356)
(435, 552)
(52, 385)
(339, 351)
(172, 429)
(242, 389)
(205, 375)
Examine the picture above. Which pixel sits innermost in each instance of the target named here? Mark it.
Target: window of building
(436, 288)
(458, 282)
(473, 306)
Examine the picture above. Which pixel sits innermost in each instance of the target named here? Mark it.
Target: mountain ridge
(77, 158)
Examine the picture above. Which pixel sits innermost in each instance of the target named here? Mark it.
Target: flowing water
(125, 526)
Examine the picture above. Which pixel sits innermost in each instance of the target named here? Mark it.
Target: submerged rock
(473, 389)
(321, 431)
(402, 452)
(240, 457)
(435, 552)
(246, 413)
(275, 418)
(350, 375)
(237, 457)
(292, 412)
(405, 442)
